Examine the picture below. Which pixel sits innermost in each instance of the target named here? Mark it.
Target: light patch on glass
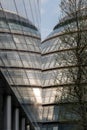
(37, 94)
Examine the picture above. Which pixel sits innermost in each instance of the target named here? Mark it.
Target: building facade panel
(20, 61)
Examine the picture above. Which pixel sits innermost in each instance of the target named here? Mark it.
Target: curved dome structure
(58, 58)
(39, 73)
(20, 61)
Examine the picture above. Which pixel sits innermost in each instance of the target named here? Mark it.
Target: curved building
(20, 63)
(58, 61)
(39, 74)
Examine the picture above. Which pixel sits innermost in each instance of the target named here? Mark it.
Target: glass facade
(59, 62)
(38, 73)
(20, 62)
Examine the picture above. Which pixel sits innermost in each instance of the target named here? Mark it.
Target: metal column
(23, 124)
(16, 119)
(28, 127)
(7, 113)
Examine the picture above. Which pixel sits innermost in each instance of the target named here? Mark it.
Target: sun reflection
(37, 93)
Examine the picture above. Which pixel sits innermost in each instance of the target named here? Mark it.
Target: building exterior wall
(20, 61)
(58, 57)
(37, 72)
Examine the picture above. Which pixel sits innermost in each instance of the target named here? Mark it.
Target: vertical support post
(16, 120)
(1, 109)
(28, 127)
(7, 113)
(23, 124)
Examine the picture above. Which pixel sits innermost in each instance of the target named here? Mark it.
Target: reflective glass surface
(20, 62)
(59, 64)
(37, 73)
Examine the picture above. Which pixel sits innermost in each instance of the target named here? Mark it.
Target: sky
(50, 14)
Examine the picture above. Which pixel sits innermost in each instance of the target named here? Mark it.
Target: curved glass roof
(20, 62)
(58, 59)
(14, 18)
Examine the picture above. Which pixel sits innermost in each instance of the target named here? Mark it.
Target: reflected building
(20, 62)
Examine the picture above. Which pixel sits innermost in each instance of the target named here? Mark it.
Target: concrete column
(7, 113)
(16, 119)
(23, 124)
(28, 127)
